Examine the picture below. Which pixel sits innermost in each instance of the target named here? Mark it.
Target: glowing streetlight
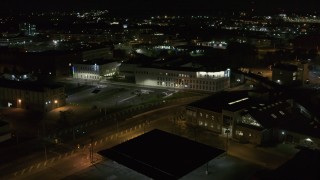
(55, 101)
(19, 103)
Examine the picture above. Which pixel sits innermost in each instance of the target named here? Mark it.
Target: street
(80, 162)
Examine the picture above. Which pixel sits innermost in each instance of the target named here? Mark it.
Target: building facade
(244, 118)
(183, 78)
(240, 116)
(31, 95)
(288, 74)
(217, 113)
(95, 70)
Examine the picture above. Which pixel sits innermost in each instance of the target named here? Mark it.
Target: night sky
(165, 6)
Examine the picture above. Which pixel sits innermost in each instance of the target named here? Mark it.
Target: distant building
(257, 118)
(97, 53)
(31, 95)
(15, 39)
(259, 123)
(226, 114)
(95, 69)
(18, 76)
(260, 42)
(28, 29)
(288, 74)
(42, 64)
(84, 37)
(303, 129)
(128, 70)
(213, 44)
(183, 78)
(217, 112)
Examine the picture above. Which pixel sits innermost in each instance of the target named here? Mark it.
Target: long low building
(184, 78)
(256, 117)
(95, 69)
(31, 95)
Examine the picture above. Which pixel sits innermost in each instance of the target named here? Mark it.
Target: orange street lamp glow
(55, 101)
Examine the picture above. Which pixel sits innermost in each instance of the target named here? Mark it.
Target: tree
(65, 119)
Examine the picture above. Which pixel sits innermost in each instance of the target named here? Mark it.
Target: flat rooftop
(161, 155)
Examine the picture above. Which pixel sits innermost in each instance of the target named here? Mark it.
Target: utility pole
(227, 131)
(43, 127)
(117, 124)
(45, 152)
(91, 150)
(73, 133)
(105, 111)
(207, 168)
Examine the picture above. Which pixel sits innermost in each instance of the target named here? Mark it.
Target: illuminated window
(309, 140)
(281, 112)
(239, 133)
(247, 119)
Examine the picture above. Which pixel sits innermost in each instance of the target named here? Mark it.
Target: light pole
(227, 131)
(207, 168)
(45, 152)
(91, 150)
(105, 111)
(19, 103)
(116, 121)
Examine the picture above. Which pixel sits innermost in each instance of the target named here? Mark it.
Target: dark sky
(171, 6)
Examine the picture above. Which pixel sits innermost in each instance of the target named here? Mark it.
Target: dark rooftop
(304, 165)
(303, 125)
(3, 123)
(272, 114)
(288, 67)
(224, 100)
(26, 85)
(97, 61)
(161, 155)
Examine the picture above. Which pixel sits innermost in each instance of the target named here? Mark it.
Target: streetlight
(19, 103)
(56, 103)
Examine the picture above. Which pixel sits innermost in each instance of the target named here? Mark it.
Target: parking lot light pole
(227, 131)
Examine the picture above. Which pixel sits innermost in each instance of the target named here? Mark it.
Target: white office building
(91, 70)
(183, 79)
